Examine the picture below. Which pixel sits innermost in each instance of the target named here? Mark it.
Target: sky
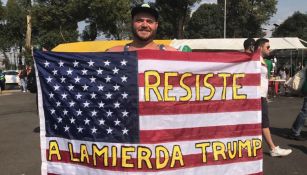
(285, 8)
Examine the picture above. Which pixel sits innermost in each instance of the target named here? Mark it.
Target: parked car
(11, 77)
(2, 80)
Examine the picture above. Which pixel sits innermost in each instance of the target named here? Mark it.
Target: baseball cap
(145, 8)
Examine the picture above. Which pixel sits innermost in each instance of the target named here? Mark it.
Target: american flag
(100, 99)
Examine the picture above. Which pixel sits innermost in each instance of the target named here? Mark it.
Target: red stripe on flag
(248, 80)
(200, 133)
(190, 161)
(226, 57)
(195, 107)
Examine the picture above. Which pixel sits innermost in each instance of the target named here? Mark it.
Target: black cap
(145, 8)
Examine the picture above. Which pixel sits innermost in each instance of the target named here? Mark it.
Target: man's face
(265, 49)
(144, 26)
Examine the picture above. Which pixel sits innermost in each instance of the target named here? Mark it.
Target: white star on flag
(94, 130)
(124, 95)
(91, 63)
(69, 71)
(46, 64)
(61, 63)
(85, 87)
(115, 70)
(101, 104)
(66, 128)
(86, 104)
(125, 131)
(79, 112)
(99, 71)
(77, 79)
(109, 130)
(76, 63)
(109, 113)
(80, 129)
(63, 79)
(93, 79)
(49, 79)
(124, 78)
(108, 79)
(51, 95)
(116, 87)
(117, 122)
(101, 122)
(78, 96)
(87, 121)
(107, 63)
(123, 63)
(84, 72)
(70, 87)
(55, 72)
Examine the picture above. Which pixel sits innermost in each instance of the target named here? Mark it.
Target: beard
(142, 38)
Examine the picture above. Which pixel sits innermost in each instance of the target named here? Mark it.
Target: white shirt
(264, 83)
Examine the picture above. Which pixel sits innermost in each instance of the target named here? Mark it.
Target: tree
(244, 19)
(53, 23)
(294, 26)
(174, 15)
(206, 22)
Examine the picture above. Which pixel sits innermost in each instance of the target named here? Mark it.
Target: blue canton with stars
(90, 96)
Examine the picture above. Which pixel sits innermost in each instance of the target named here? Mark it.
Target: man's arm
(116, 49)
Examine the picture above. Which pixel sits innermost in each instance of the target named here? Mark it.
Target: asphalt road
(20, 150)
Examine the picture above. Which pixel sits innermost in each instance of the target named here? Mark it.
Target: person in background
(22, 74)
(263, 45)
(299, 122)
(249, 45)
(144, 28)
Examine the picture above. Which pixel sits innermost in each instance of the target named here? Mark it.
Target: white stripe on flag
(156, 122)
(241, 168)
(197, 67)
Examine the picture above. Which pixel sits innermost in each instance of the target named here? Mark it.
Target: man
(144, 28)
(249, 45)
(263, 46)
(299, 122)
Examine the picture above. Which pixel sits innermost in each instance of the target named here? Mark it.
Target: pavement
(20, 145)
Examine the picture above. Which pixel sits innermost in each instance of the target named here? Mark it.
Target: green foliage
(206, 22)
(174, 15)
(294, 26)
(244, 19)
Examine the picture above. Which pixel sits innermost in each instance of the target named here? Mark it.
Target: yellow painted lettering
(54, 150)
(203, 146)
(153, 86)
(197, 88)
(71, 152)
(218, 150)
(235, 87)
(165, 159)
(209, 86)
(187, 88)
(99, 153)
(257, 144)
(126, 157)
(114, 156)
(168, 87)
(224, 76)
(232, 149)
(84, 153)
(144, 155)
(243, 146)
(176, 156)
